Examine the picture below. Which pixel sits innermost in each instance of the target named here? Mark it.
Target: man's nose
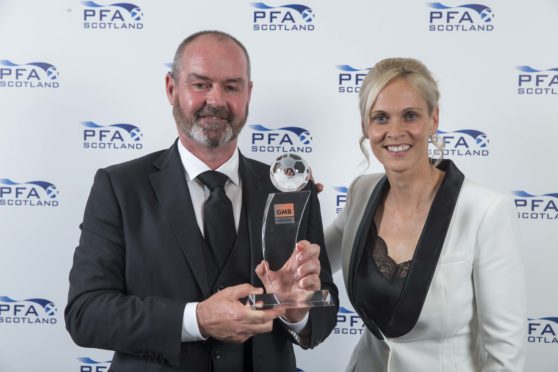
(216, 97)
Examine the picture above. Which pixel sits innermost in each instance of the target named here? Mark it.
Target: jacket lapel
(170, 186)
(427, 253)
(425, 259)
(360, 245)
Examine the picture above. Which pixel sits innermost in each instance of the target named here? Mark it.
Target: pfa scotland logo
(532, 81)
(30, 311)
(284, 139)
(340, 198)
(348, 323)
(462, 143)
(28, 75)
(28, 194)
(116, 16)
(111, 137)
(543, 330)
(90, 365)
(289, 17)
(461, 18)
(350, 78)
(536, 207)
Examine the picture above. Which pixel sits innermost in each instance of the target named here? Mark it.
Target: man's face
(211, 93)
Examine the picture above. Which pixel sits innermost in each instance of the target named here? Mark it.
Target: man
(147, 284)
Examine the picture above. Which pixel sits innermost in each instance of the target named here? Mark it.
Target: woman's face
(399, 127)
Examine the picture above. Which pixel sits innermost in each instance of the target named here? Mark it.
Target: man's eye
(231, 88)
(199, 85)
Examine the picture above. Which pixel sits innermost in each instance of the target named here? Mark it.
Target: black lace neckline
(387, 266)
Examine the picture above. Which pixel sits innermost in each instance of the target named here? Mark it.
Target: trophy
(282, 215)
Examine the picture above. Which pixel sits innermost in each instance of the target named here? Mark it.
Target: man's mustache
(220, 112)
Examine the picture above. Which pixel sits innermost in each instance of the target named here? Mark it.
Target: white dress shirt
(199, 193)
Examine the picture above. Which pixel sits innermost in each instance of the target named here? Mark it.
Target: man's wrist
(296, 327)
(190, 328)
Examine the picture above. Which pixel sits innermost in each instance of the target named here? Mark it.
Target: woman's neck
(414, 190)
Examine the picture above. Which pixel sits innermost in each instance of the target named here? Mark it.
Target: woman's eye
(379, 118)
(411, 116)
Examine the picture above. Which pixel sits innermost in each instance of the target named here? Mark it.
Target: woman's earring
(438, 142)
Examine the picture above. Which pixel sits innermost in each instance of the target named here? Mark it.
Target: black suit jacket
(140, 260)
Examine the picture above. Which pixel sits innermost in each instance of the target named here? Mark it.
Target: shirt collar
(194, 166)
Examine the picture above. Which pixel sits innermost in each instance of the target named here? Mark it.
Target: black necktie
(218, 220)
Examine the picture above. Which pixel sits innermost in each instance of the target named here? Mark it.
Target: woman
(430, 259)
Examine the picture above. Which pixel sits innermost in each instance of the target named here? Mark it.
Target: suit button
(217, 355)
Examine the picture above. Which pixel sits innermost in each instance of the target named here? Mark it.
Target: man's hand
(319, 186)
(224, 317)
(296, 280)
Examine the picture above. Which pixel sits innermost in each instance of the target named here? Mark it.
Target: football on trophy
(289, 172)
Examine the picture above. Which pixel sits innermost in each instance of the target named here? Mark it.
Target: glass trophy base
(271, 301)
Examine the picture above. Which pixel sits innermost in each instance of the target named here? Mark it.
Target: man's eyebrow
(238, 80)
(194, 75)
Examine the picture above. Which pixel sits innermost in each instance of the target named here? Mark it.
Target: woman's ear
(435, 119)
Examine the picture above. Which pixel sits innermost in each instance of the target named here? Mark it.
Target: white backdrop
(71, 73)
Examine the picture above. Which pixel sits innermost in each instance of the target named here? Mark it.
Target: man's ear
(250, 85)
(169, 88)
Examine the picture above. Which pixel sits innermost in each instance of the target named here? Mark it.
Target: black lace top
(379, 282)
(386, 264)
(389, 297)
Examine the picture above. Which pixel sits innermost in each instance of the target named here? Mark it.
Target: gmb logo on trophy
(282, 215)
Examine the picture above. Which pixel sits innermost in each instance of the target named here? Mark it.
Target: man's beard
(210, 134)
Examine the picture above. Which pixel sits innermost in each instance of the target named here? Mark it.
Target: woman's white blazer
(473, 312)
